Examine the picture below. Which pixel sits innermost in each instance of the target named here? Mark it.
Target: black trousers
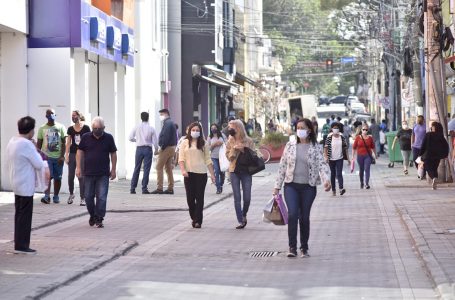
(23, 222)
(195, 189)
(431, 167)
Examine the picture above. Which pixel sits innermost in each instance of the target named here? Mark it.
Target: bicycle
(265, 153)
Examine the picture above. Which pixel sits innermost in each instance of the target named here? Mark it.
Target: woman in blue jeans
(237, 142)
(302, 168)
(364, 149)
(215, 142)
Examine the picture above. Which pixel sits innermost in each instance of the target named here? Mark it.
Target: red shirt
(360, 146)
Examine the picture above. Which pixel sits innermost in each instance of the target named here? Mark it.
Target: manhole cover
(262, 254)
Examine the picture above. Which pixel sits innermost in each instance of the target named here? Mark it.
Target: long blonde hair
(240, 132)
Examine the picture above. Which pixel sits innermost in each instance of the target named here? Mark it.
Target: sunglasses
(364, 129)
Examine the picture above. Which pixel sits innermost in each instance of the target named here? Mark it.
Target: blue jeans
(96, 186)
(246, 180)
(143, 154)
(219, 176)
(364, 162)
(55, 169)
(299, 199)
(336, 171)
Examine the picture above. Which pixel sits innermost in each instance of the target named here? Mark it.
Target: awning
(225, 80)
(215, 81)
(241, 79)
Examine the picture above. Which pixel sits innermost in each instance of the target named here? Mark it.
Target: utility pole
(436, 107)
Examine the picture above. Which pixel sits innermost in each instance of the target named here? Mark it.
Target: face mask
(405, 126)
(195, 134)
(162, 118)
(98, 132)
(75, 120)
(335, 130)
(214, 131)
(232, 131)
(302, 133)
(51, 117)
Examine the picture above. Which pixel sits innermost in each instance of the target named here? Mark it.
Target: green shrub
(274, 139)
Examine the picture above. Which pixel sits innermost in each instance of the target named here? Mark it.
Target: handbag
(373, 160)
(275, 211)
(248, 161)
(224, 162)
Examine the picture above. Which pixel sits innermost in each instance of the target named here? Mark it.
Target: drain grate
(262, 254)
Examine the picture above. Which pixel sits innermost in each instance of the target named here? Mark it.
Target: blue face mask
(51, 117)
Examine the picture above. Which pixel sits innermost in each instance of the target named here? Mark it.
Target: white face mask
(162, 118)
(195, 134)
(335, 130)
(302, 133)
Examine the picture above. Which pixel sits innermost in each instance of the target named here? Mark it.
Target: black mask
(214, 131)
(98, 132)
(231, 131)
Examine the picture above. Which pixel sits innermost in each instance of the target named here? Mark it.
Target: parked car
(352, 99)
(357, 108)
(324, 100)
(338, 100)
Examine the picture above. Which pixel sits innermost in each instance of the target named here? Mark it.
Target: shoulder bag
(373, 161)
(249, 162)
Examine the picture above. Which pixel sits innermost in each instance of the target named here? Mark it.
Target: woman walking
(237, 142)
(73, 139)
(194, 160)
(301, 168)
(404, 137)
(215, 142)
(364, 149)
(434, 148)
(335, 152)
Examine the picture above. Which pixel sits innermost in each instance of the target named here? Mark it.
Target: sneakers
(157, 192)
(292, 252)
(132, 192)
(240, 226)
(169, 192)
(56, 199)
(71, 199)
(304, 253)
(334, 193)
(144, 192)
(99, 224)
(367, 186)
(433, 184)
(82, 202)
(46, 199)
(91, 221)
(25, 251)
(342, 192)
(218, 191)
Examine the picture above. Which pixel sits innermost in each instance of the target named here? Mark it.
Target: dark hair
(438, 129)
(337, 124)
(144, 116)
(25, 125)
(200, 141)
(218, 132)
(164, 111)
(309, 125)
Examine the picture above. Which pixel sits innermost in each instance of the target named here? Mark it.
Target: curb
(433, 268)
(126, 247)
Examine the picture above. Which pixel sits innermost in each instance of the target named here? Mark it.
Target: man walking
(145, 137)
(167, 142)
(51, 140)
(94, 151)
(24, 163)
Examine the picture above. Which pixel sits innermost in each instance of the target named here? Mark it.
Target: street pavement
(393, 241)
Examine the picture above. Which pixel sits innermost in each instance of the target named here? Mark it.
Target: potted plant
(275, 142)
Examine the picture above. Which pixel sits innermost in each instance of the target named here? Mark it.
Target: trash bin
(394, 154)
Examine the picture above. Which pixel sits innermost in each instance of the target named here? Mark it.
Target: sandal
(405, 172)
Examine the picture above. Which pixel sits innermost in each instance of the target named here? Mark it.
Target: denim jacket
(317, 165)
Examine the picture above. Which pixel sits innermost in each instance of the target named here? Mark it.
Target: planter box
(275, 153)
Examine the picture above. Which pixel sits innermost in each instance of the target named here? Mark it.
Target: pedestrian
(382, 141)
(364, 149)
(144, 135)
(167, 142)
(302, 168)
(236, 143)
(24, 164)
(271, 126)
(374, 131)
(73, 139)
(434, 148)
(216, 140)
(332, 119)
(404, 137)
(98, 153)
(51, 140)
(418, 133)
(194, 160)
(347, 132)
(325, 130)
(384, 126)
(314, 122)
(335, 152)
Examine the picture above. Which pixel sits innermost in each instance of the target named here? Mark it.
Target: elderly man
(24, 164)
(94, 150)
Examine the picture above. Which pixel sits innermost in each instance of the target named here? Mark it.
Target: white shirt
(144, 135)
(337, 148)
(23, 160)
